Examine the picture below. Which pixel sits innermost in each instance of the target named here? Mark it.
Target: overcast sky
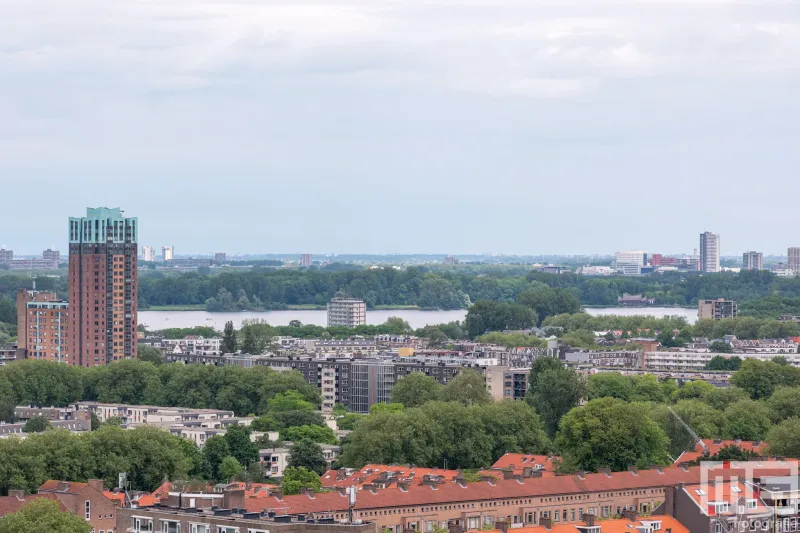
(375, 126)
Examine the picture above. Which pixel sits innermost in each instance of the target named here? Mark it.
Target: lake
(155, 320)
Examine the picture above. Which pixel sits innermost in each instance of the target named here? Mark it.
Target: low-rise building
(86, 500)
(347, 312)
(192, 345)
(275, 460)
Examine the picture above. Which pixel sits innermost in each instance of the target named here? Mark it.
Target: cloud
(438, 94)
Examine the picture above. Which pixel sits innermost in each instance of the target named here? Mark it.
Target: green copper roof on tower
(102, 225)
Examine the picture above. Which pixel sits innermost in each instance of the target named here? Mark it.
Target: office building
(631, 257)
(42, 326)
(168, 253)
(103, 283)
(717, 309)
(148, 254)
(306, 260)
(794, 259)
(220, 258)
(753, 261)
(32, 264)
(709, 252)
(6, 256)
(347, 312)
(52, 256)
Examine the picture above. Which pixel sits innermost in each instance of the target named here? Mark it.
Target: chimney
(403, 485)
(589, 519)
(606, 471)
(581, 474)
(502, 525)
(508, 474)
(546, 523)
(633, 470)
(96, 484)
(308, 492)
(233, 499)
(18, 494)
(684, 466)
(63, 486)
(629, 514)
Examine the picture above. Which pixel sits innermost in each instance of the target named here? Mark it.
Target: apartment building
(8, 354)
(709, 252)
(753, 261)
(347, 312)
(43, 326)
(167, 253)
(630, 257)
(691, 360)
(148, 254)
(192, 345)
(183, 514)
(794, 259)
(148, 414)
(103, 285)
(306, 260)
(6, 256)
(80, 422)
(717, 309)
(621, 358)
(275, 461)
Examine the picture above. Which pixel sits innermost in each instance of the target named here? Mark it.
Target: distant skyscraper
(6, 256)
(794, 259)
(306, 260)
(148, 254)
(220, 258)
(168, 253)
(752, 261)
(102, 287)
(709, 252)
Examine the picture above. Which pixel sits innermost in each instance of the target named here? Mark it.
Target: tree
(611, 433)
(229, 469)
(415, 389)
(706, 421)
(386, 408)
(610, 384)
(395, 325)
(553, 391)
(289, 401)
(729, 452)
(308, 454)
(296, 479)
(486, 316)
(721, 397)
(784, 439)
(36, 424)
(761, 378)
(784, 403)
(318, 434)
(436, 337)
(693, 389)
(719, 362)
(288, 419)
(150, 354)
(43, 514)
(720, 347)
(546, 301)
(747, 420)
(215, 450)
(229, 338)
(468, 388)
(240, 446)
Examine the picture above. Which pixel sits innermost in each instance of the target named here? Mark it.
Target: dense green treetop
(43, 514)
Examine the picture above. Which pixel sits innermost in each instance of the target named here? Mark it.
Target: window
(717, 527)
(752, 504)
(87, 510)
(226, 529)
(170, 527)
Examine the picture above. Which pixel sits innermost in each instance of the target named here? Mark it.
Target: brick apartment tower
(42, 326)
(103, 287)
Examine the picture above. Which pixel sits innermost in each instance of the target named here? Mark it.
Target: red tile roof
(118, 497)
(448, 492)
(608, 526)
(715, 446)
(726, 492)
(370, 473)
(12, 504)
(73, 487)
(518, 461)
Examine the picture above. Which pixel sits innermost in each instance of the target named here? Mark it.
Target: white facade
(794, 259)
(596, 271)
(347, 312)
(193, 346)
(698, 360)
(148, 254)
(168, 253)
(752, 261)
(709, 252)
(636, 257)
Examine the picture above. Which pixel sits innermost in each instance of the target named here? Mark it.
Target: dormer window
(720, 507)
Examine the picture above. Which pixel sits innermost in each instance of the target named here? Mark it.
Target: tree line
(626, 420)
(245, 391)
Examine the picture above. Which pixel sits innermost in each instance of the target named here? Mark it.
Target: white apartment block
(709, 252)
(635, 257)
(680, 361)
(275, 460)
(347, 312)
(192, 346)
(794, 259)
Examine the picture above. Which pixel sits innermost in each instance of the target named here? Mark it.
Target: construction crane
(694, 435)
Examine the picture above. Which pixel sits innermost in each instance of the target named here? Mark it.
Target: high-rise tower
(102, 287)
(709, 252)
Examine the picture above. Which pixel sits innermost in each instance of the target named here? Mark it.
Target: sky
(413, 126)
